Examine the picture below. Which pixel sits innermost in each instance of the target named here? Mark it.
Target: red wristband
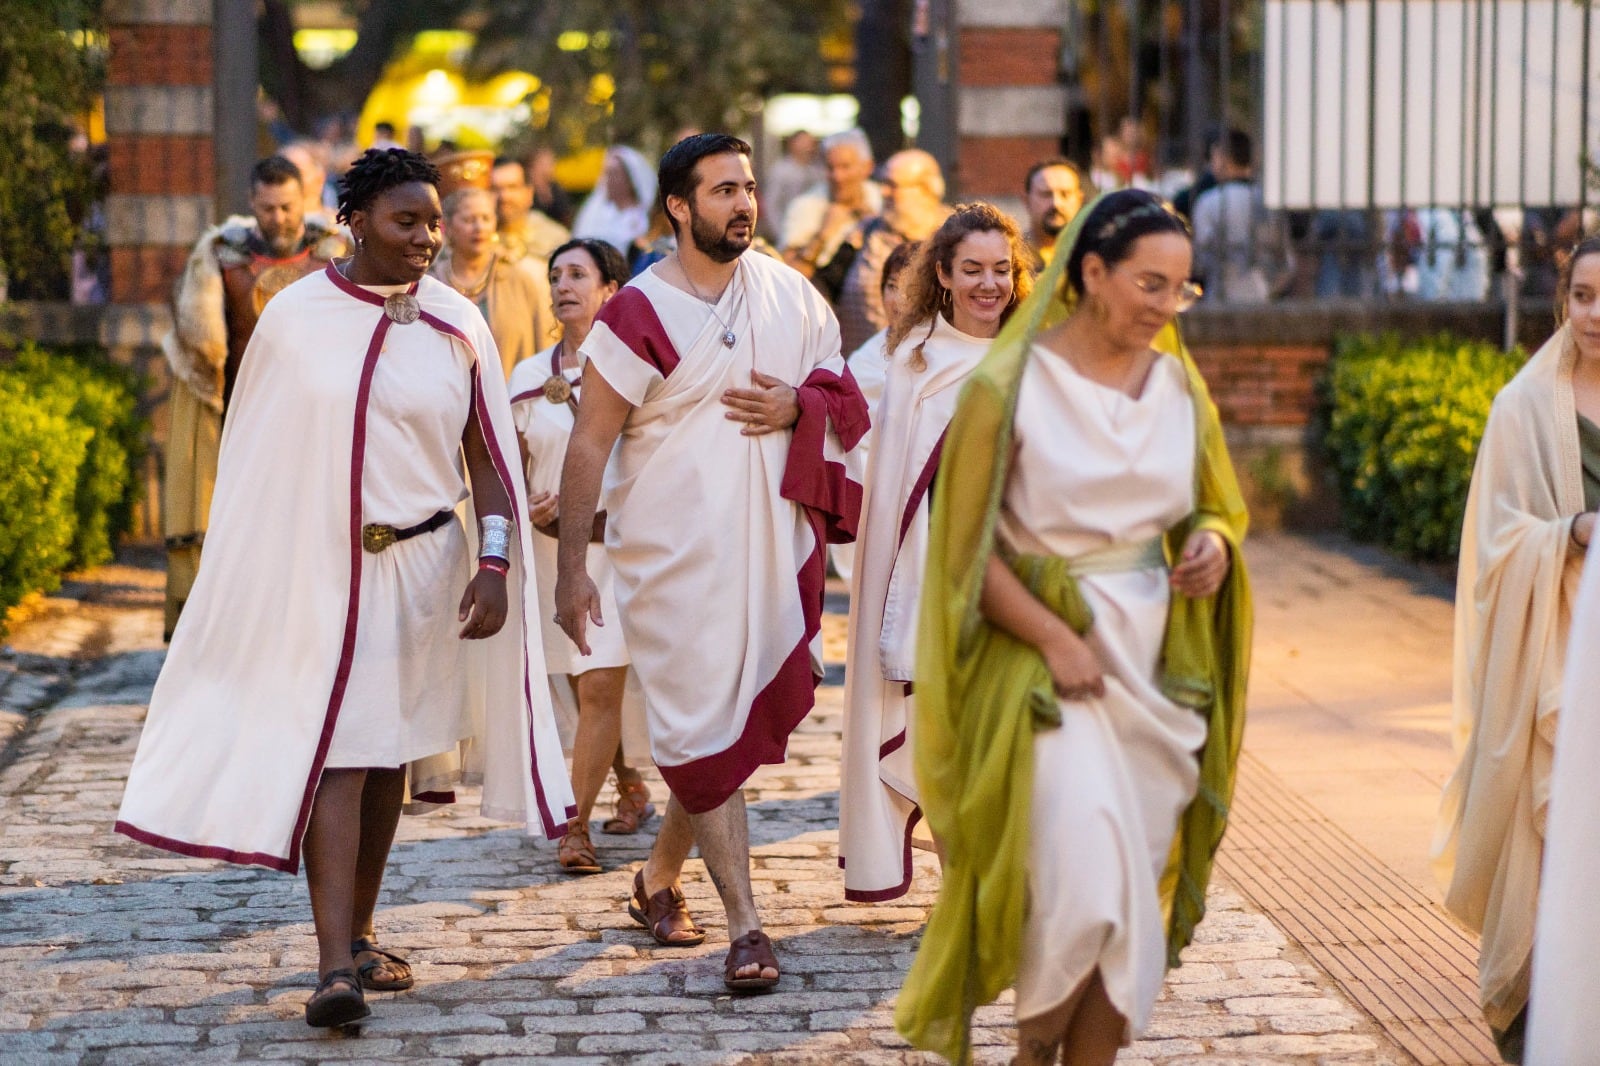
(499, 566)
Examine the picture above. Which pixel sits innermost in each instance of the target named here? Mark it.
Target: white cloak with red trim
(717, 539)
(247, 701)
(878, 810)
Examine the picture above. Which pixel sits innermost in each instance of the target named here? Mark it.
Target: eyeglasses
(1185, 294)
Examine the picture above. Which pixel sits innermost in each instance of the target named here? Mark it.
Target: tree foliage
(50, 73)
(644, 68)
(381, 27)
(668, 63)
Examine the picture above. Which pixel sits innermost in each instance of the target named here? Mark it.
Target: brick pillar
(158, 128)
(1011, 108)
(159, 124)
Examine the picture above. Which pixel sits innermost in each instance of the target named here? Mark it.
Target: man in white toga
(714, 384)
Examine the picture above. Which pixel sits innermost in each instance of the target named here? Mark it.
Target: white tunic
(878, 795)
(546, 428)
(404, 699)
(1095, 468)
(869, 364)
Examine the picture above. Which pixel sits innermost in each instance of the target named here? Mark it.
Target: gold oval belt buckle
(376, 538)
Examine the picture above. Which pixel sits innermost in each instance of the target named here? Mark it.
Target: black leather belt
(375, 538)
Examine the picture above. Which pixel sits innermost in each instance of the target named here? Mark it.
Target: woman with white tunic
(959, 291)
(474, 264)
(1081, 662)
(328, 643)
(1530, 516)
(589, 692)
(869, 364)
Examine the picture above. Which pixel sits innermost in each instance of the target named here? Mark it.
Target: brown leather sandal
(633, 809)
(754, 947)
(576, 853)
(664, 914)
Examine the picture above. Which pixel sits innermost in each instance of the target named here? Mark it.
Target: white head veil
(602, 218)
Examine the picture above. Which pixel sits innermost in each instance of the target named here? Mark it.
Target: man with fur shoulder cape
(234, 269)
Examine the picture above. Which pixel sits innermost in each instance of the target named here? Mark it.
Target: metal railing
(1405, 149)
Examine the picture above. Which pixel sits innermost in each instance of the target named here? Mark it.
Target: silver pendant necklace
(729, 337)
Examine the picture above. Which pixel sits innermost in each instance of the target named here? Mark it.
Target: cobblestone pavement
(116, 953)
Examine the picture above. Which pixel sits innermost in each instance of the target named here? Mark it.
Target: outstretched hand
(770, 406)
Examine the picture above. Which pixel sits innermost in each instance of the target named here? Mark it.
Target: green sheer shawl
(982, 693)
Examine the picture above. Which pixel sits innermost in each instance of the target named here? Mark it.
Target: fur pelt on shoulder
(197, 347)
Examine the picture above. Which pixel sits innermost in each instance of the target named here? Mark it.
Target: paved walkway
(116, 953)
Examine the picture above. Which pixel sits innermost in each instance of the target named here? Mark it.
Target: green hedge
(70, 441)
(42, 450)
(1401, 423)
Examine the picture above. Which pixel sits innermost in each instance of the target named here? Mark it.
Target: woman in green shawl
(1083, 649)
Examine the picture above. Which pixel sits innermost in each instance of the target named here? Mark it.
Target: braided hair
(378, 171)
(1115, 224)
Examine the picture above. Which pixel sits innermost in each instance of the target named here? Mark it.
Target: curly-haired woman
(959, 290)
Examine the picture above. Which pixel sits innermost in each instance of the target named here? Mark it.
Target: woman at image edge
(1530, 516)
(1075, 696)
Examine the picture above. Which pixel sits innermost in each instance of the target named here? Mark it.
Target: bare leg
(1095, 1034)
(724, 838)
(381, 800)
(1085, 1030)
(599, 738)
(1039, 1038)
(332, 844)
(620, 767)
(673, 841)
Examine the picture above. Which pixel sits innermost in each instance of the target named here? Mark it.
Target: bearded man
(717, 406)
(234, 270)
(1054, 192)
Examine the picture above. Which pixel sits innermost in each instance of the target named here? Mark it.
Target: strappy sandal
(633, 809)
(337, 1001)
(755, 947)
(664, 914)
(380, 959)
(576, 853)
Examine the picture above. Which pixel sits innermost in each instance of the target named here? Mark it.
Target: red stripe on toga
(822, 487)
(632, 318)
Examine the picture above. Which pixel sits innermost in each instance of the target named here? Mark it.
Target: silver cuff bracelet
(494, 537)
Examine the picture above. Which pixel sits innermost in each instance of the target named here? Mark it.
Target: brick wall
(1007, 55)
(1258, 386)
